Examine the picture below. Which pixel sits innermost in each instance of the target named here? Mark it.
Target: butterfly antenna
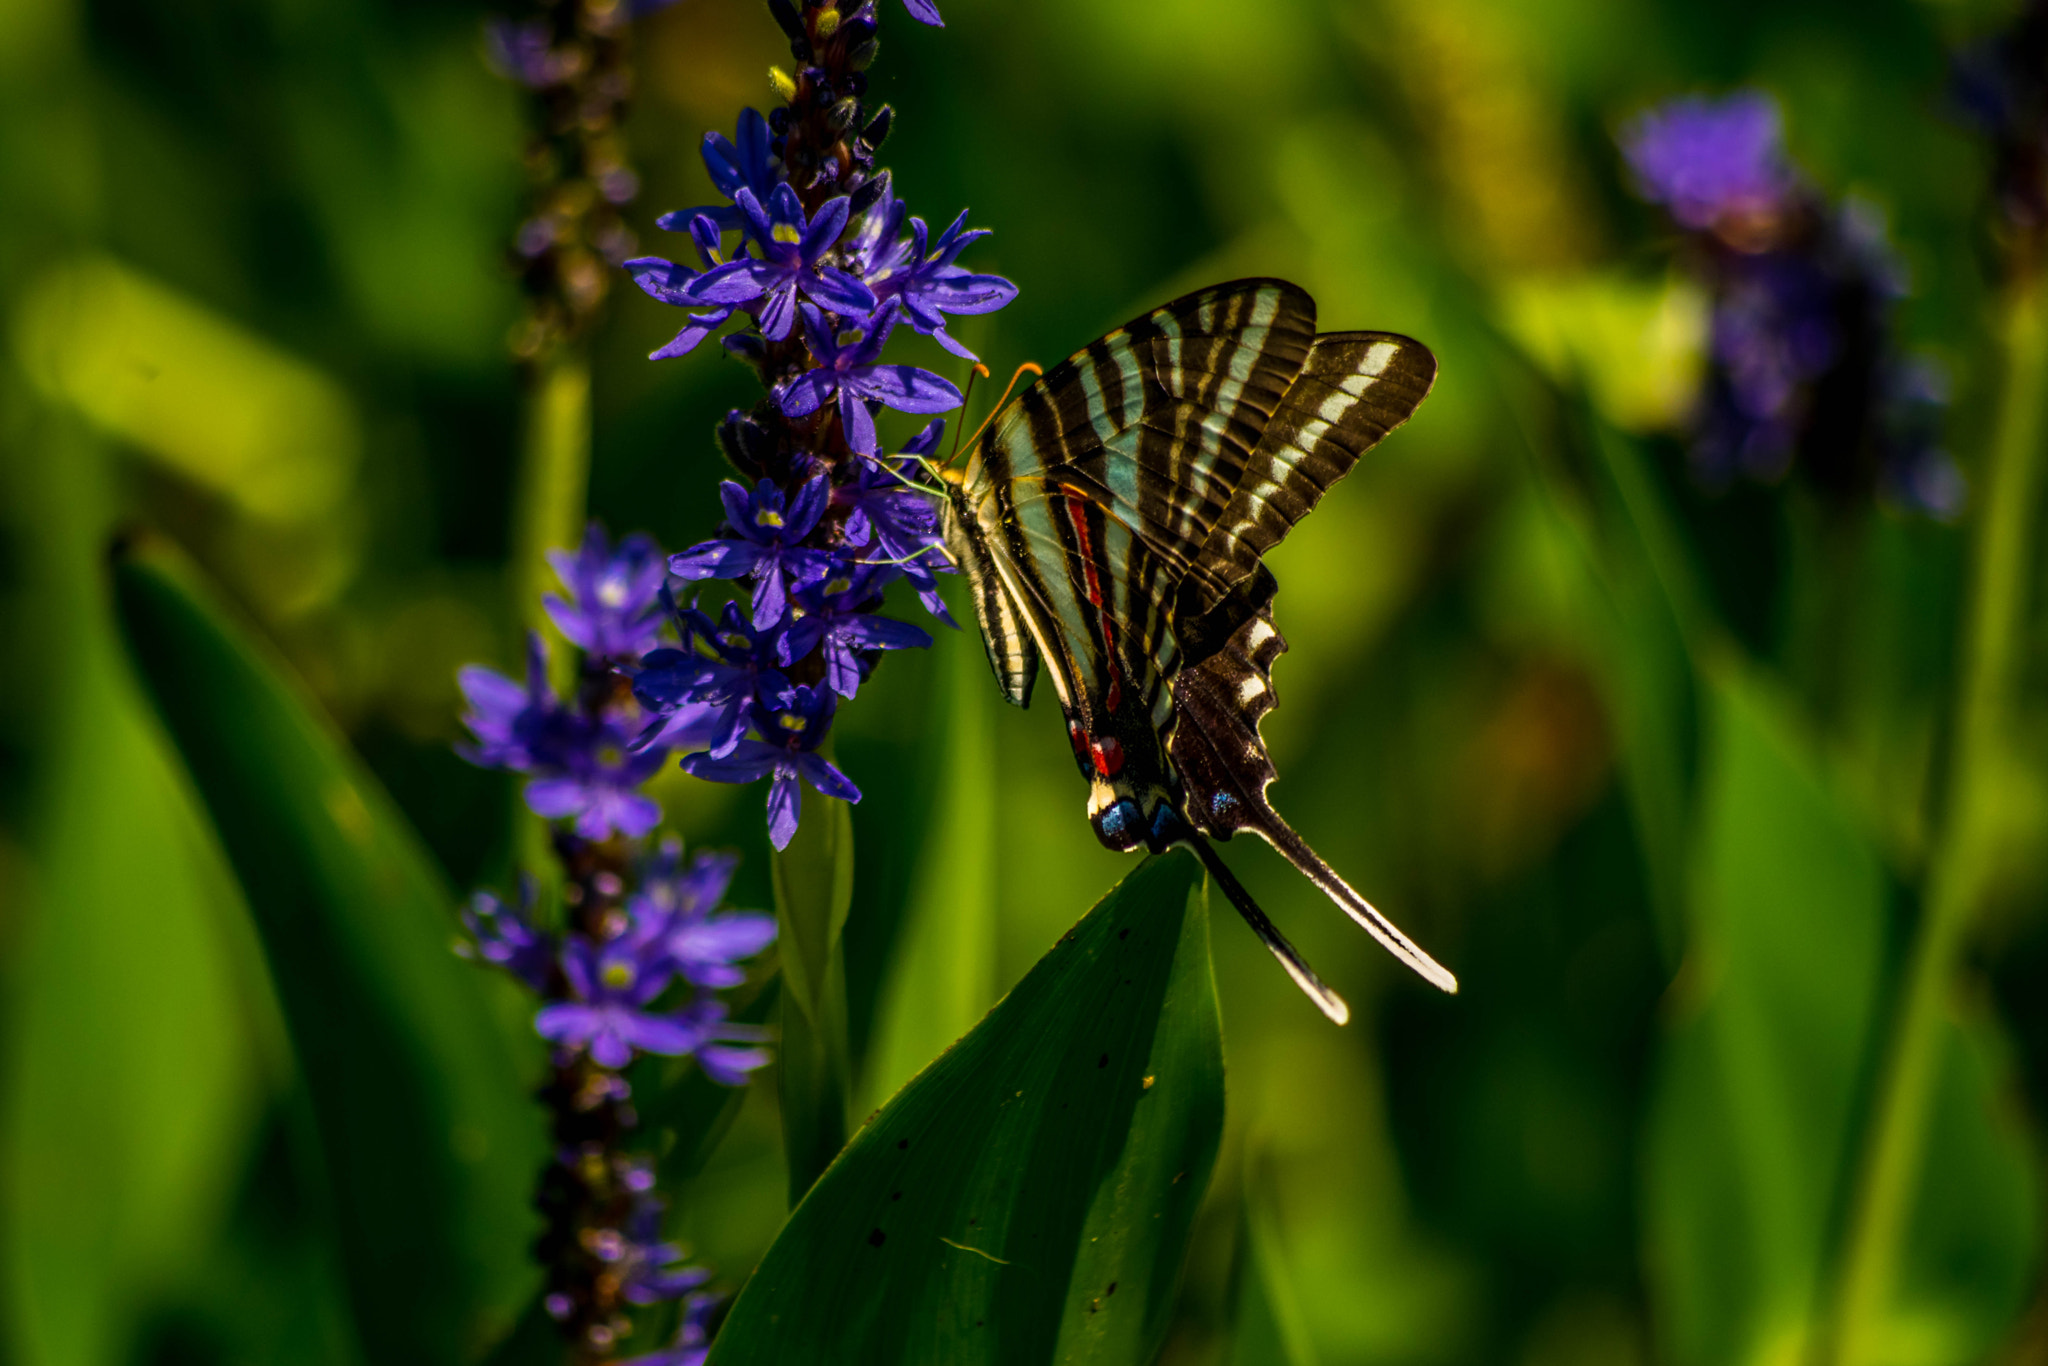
(979, 371)
(1330, 1003)
(1028, 367)
(1294, 848)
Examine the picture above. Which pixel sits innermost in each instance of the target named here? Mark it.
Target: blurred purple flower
(505, 935)
(692, 1342)
(612, 984)
(1705, 159)
(524, 51)
(506, 718)
(613, 610)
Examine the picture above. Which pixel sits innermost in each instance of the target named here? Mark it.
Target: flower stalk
(1965, 848)
(632, 963)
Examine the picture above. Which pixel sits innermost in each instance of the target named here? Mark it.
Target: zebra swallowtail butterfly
(1113, 522)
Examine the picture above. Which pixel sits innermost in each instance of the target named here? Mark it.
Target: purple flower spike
(852, 370)
(799, 717)
(751, 165)
(1707, 160)
(767, 546)
(613, 610)
(793, 249)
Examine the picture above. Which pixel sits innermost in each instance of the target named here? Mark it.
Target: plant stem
(547, 512)
(554, 482)
(1897, 1137)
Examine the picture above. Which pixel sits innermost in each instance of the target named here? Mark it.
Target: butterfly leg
(1269, 934)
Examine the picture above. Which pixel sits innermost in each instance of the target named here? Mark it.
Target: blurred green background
(251, 264)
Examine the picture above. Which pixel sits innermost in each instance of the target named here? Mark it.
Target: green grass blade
(813, 893)
(429, 1139)
(1027, 1198)
(1268, 1328)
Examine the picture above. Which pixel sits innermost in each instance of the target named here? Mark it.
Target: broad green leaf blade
(429, 1137)
(943, 974)
(813, 1064)
(1027, 1198)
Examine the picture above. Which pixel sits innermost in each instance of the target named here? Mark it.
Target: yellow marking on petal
(733, 640)
(837, 586)
(790, 721)
(786, 233)
(767, 517)
(618, 975)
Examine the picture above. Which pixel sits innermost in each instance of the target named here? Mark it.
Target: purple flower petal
(749, 761)
(820, 774)
(806, 393)
(783, 803)
(826, 225)
(908, 389)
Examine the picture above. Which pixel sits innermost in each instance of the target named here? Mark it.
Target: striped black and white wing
(1114, 520)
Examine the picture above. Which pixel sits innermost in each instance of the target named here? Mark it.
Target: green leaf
(1750, 1127)
(1027, 1198)
(429, 1139)
(813, 1064)
(942, 977)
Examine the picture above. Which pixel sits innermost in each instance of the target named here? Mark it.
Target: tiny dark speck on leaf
(1111, 1290)
(1124, 933)
(1103, 1061)
(895, 1195)
(902, 1143)
(876, 1237)
(977, 1323)
(1094, 1305)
